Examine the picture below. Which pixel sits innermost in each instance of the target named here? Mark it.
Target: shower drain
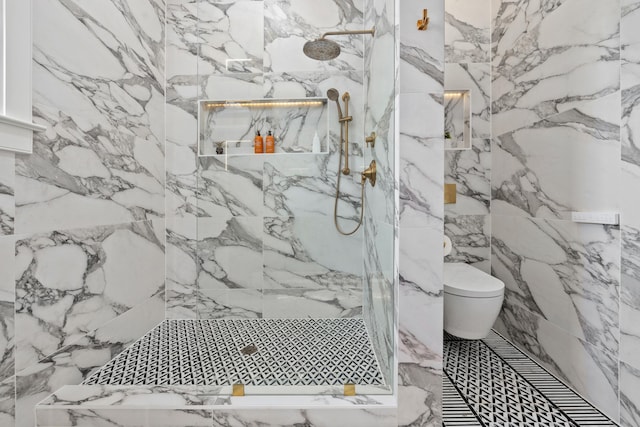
(249, 350)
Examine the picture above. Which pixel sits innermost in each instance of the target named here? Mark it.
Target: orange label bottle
(271, 144)
(258, 144)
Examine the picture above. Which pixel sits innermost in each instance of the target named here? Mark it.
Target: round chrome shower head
(321, 49)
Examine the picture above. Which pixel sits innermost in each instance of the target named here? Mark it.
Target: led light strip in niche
(249, 104)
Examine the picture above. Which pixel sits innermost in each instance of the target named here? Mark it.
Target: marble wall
(468, 67)
(556, 118)
(253, 235)
(421, 214)
(629, 375)
(81, 219)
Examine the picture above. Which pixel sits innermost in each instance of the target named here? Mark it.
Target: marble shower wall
(630, 206)
(81, 219)
(556, 110)
(467, 35)
(253, 235)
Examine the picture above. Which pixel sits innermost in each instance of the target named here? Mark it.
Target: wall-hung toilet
(472, 300)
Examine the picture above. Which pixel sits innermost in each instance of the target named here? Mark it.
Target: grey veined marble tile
(71, 282)
(101, 159)
(467, 30)
(565, 273)
(550, 59)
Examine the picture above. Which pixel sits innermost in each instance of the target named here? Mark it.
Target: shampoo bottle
(271, 143)
(258, 143)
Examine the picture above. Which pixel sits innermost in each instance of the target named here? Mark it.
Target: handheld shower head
(334, 95)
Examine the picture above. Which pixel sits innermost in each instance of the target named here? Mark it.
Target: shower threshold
(267, 356)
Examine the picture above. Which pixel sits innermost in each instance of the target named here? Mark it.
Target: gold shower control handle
(370, 174)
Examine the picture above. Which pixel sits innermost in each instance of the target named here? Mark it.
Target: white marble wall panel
(73, 363)
(630, 207)
(471, 240)
(7, 303)
(230, 36)
(230, 186)
(467, 35)
(290, 24)
(333, 301)
(98, 88)
(551, 59)
(181, 268)
(307, 417)
(230, 253)
(421, 52)
(71, 282)
(421, 214)
(306, 252)
(7, 195)
(566, 273)
(229, 303)
(566, 162)
(629, 395)
(592, 371)
(419, 396)
(470, 170)
(421, 159)
(8, 402)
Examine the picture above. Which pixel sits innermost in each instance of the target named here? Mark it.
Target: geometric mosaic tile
(504, 387)
(247, 351)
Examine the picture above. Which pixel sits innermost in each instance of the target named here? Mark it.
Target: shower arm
(372, 31)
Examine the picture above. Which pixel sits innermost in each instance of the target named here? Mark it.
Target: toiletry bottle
(258, 143)
(271, 144)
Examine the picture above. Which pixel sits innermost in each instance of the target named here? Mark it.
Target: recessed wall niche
(228, 127)
(457, 119)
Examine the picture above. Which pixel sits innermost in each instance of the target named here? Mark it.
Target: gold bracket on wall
(423, 23)
(450, 194)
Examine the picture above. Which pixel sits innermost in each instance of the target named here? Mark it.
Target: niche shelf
(231, 125)
(457, 120)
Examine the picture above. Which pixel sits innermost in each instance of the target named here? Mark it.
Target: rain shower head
(334, 95)
(321, 49)
(325, 50)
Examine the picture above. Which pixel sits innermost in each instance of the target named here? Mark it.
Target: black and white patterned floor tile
(248, 351)
(502, 387)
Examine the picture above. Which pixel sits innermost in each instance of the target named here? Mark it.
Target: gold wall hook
(423, 23)
(371, 140)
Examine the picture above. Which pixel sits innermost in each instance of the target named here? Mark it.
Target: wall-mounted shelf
(457, 119)
(231, 125)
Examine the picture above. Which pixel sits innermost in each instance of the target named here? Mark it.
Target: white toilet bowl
(472, 301)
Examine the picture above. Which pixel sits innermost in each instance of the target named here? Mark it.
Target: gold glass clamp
(349, 389)
(238, 390)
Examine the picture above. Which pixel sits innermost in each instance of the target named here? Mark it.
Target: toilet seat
(466, 281)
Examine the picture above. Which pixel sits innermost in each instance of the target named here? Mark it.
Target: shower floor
(254, 352)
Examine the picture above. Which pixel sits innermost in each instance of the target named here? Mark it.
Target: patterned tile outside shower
(210, 352)
(500, 386)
